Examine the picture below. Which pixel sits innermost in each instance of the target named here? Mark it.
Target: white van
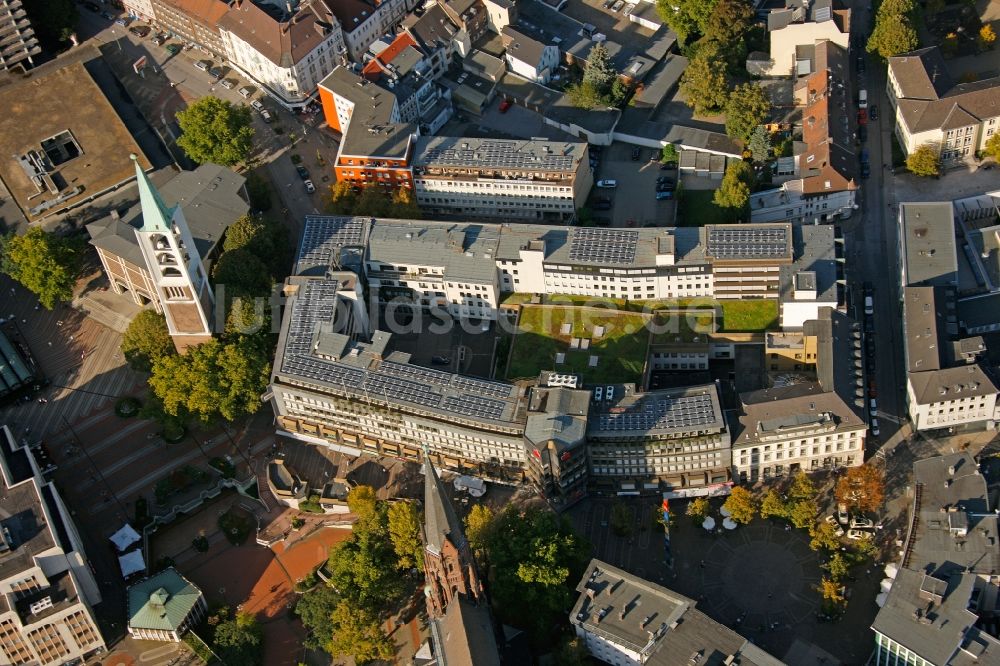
(862, 99)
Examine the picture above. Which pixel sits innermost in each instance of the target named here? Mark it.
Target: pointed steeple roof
(440, 520)
(156, 215)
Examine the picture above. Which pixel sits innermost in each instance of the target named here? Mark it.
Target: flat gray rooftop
(927, 232)
(524, 155)
(694, 408)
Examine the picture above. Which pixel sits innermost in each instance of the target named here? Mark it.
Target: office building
(945, 584)
(555, 435)
(798, 28)
(930, 109)
(946, 386)
(46, 615)
(211, 197)
(784, 430)
(501, 177)
(286, 49)
(164, 606)
(18, 44)
(625, 620)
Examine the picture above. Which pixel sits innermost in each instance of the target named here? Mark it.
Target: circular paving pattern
(760, 578)
(119, 659)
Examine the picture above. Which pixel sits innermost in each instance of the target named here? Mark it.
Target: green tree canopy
(599, 72)
(686, 17)
(704, 82)
(535, 557)
(357, 632)
(727, 25)
(361, 501)
(477, 526)
(747, 108)
(802, 487)
(215, 130)
(242, 273)
(669, 153)
(824, 536)
(239, 640)
(992, 147)
(697, 509)
(372, 201)
(315, 608)
(147, 340)
(734, 191)
(741, 504)
(894, 31)
(46, 264)
(924, 161)
(584, 96)
(404, 530)
(760, 144)
(838, 566)
(802, 513)
(214, 379)
(772, 506)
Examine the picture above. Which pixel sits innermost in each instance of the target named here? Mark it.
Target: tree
(772, 506)
(727, 25)
(362, 503)
(704, 83)
(535, 557)
(215, 130)
(802, 487)
(992, 147)
(697, 509)
(987, 37)
(760, 144)
(824, 536)
(477, 526)
(734, 191)
(741, 505)
(894, 33)
(248, 232)
(259, 192)
(214, 379)
(239, 640)
(571, 652)
(242, 273)
(404, 531)
(621, 519)
(803, 513)
(316, 607)
(584, 96)
(669, 153)
(46, 264)
(861, 488)
(747, 108)
(342, 198)
(924, 161)
(619, 93)
(404, 205)
(837, 566)
(146, 340)
(686, 17)
(363, 568)
(357, 632)
(53, 21)
(831, 591)
(599, 73)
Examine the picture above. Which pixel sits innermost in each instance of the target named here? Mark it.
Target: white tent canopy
(729, 523)
(124, 538)
(475, 487)
(709, 523)
(131, 563)
(724, 511)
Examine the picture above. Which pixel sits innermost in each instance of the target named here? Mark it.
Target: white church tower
(175, 267)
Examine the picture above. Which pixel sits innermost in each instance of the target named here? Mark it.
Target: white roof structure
(125, 537)
(131, 563)
(475, 487)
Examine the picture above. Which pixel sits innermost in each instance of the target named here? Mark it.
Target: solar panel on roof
(688, 411)
(323, 235)
(748, 242)
(475, 406)
(604, 246)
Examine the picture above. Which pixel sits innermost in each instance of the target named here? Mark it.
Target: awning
(131, 563)
(124, 538)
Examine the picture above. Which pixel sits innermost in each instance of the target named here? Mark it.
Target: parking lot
(633, 201)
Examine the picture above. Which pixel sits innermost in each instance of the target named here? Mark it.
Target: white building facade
(140, 9)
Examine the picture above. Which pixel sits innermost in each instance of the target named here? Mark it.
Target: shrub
(127, 407)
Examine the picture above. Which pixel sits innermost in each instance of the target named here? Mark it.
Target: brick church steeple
(449, 567)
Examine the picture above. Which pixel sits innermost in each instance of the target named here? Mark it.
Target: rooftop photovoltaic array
(681, 412)
(494, 154)
(605, 246)
(748, 242)
(323, 235)
(382, 381)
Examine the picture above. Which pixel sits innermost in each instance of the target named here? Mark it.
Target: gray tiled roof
(522, 47)
(921, 74)
(966, 381)
(468, 638)
(372, 131)
(467, 251)
(771, 411)
(440, 520)
(521, 154)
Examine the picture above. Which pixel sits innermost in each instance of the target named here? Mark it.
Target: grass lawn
(750, 315)
(621, 350)
(696, 209)
(682, 326)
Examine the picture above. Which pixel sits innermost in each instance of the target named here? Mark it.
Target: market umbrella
(729, 524)
(709, 523)
(724, 511)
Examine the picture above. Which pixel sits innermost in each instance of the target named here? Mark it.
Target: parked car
(873, 112)
(858, 534)
(215, 73)
(862, 133)
(860, 63)
(302, 171)
(108, 16)
(663, 180)
(872, 407)
(203, 65)
(504, 105)
(874, 427)
(257, 105)
(440, 360)
(668, 166)
(92, 6)
(636, 153)
(246, 92)
(123, 21)
(228, 84)
(866, 170)
(310, 188)
(862, 116)
(266, 115)
(664, 187)
(140, 31)
(837, 529)
(607, 184)
(173, 49)
(861, 523)
(602, 205)
(664, 195)
(159, 40)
